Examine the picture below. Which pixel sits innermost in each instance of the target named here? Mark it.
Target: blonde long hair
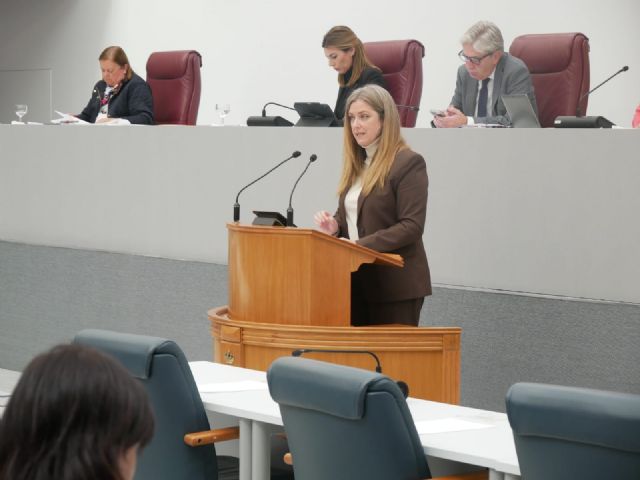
(343, 38)
(390, 141)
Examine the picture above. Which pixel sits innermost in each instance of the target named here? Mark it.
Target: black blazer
(369, 75)
(133, 102)
(391, 220)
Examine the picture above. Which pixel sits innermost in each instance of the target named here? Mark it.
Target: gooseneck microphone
(236, 206)
(302, 351)
(579, 112)
(404, 388)
(264, 109)
(312, 159)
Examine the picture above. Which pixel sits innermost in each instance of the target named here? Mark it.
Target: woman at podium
(382, 205)
(121, 96)
(345, 54)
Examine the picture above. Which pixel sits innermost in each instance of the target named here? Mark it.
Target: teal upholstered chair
(345, 423)
(568, 432)
(163, 369)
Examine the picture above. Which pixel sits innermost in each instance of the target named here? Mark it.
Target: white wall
(257, 51)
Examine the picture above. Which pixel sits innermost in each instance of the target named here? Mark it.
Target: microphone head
(296, 154)
(625, 68)
(313, 157)
(404, 388)
(297, 353)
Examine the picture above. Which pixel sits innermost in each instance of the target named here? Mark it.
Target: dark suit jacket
(369, 75)
(133, 102)
(511, 77)
(391, 220)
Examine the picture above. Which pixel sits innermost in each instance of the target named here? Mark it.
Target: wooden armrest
(211, 436)
(288, 459)
(482, 475)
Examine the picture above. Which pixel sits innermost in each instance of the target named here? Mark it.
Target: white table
(491, 447)
(258, 414)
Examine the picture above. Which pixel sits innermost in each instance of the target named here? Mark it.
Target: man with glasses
(487, 74)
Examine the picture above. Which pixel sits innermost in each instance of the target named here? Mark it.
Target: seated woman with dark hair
(76, 414)
(346, 55)
(121, 96)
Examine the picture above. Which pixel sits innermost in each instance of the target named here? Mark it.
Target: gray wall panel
(47, 294)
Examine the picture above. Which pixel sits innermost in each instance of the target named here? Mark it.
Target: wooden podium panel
(294, 276)
(290, 289)
(427, 359)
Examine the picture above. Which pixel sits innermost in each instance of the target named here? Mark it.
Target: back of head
(73, 415)
(343, 38)
(484, 36)
(117, 55)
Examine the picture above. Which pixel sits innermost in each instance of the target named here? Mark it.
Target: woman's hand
(326, 223)
(105, 120)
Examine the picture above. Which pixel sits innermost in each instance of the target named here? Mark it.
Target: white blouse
(351, 198)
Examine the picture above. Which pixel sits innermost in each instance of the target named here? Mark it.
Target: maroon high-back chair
(174, 78)
(559, 67)
(401, 65)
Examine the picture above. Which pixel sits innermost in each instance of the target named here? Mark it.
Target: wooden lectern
(290, 289)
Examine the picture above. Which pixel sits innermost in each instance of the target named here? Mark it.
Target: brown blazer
(391, 220)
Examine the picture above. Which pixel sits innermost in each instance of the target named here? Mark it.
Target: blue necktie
(483, 97)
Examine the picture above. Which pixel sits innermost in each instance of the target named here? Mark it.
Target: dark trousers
(363, 312)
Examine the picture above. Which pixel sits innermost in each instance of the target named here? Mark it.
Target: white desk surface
(491, 447)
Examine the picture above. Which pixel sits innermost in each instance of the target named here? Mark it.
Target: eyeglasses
(474, 60)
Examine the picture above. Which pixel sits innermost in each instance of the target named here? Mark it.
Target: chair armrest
(482, 475)
(208, 437)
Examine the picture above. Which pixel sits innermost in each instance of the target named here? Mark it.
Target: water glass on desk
(222, 109)
(21, 111)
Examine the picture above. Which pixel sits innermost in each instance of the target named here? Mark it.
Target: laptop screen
(520, 111)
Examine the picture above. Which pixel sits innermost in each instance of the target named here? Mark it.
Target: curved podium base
(426, 358)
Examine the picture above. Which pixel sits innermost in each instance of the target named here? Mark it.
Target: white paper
(67, 119)
(241, 386)
(443, 425)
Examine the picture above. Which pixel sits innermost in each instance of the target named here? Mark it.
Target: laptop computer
(520, 111)
(314, 114)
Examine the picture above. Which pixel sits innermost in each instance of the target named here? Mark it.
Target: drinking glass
(223, 110)
(21, 111)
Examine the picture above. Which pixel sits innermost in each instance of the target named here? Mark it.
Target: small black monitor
(271, 219)
(314, 114)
